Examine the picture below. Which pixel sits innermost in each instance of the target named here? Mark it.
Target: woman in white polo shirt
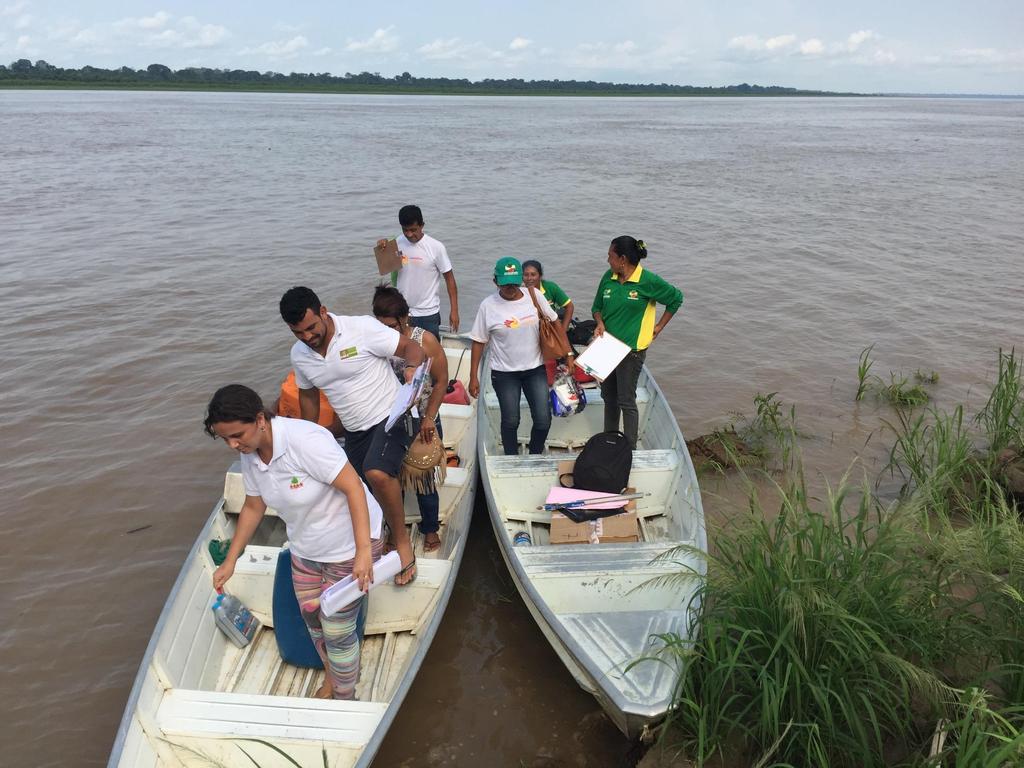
(333, 522)
(508, 321)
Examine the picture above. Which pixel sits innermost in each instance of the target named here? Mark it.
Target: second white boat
(596, 603)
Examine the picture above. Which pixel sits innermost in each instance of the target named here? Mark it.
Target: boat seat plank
(653, 460)
(190, 712)
(580, 559)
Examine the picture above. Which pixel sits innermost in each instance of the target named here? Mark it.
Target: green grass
(863, 368)
(899, 392)
(1002, 418)
(839, 631)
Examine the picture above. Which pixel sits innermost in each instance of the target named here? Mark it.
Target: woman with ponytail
(625, 307)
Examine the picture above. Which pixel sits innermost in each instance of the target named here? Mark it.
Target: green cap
(508, 271)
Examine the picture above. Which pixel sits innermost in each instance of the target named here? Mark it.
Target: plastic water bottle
(522, 539)
(235, 620)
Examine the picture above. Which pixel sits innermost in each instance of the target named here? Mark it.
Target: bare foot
(431, 542)
(325, 692)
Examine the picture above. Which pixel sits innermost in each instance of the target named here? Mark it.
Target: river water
(145, 240)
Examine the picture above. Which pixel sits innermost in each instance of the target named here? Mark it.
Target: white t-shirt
(419, 279)
(297, 483)
(513, 331)
(355, 374)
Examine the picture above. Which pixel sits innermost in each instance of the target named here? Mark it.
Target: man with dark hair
(424, 263)
(348, 358)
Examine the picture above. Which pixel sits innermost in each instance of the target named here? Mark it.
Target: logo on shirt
(512, 322)
(607, 292)
(348, 352)
(633, 295)
(405, 259)
(295, 484)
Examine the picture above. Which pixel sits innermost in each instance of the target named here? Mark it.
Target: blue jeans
(534, 384)
(430, 503)
(430, 323)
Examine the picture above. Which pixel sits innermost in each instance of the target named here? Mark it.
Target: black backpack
(581, 332)
(603, 464)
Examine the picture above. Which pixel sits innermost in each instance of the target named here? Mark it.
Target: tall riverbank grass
(851, 631)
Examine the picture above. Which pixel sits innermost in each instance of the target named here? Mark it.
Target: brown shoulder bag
(554, 344)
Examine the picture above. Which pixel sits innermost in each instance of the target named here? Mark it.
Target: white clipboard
(604, 353)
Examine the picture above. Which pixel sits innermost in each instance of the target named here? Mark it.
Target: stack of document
(408, 394)
(347, 591)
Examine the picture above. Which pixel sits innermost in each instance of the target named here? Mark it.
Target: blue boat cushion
(293, 640)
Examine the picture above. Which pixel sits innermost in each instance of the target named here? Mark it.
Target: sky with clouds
(929, 46)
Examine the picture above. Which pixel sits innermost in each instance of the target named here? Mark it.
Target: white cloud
(755, 44)
(381, 41)
(857, 39)
(452, 48)
(161, 30)
(780, 42)
(322, 51)
(519, 44)
(812, 47)
(24, 21)
(627, 56)
(278, 49)
(747, 43)
(156, 21)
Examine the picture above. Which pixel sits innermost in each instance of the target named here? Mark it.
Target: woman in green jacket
(625, 307)
(533, 274)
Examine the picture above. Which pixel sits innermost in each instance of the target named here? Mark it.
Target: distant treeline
(42, 74)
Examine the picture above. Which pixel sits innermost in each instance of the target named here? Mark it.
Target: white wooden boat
(588, 599)
(198, 700)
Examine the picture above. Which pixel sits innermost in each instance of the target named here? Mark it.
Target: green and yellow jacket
(628, 308)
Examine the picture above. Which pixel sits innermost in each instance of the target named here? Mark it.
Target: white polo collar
(278, 431)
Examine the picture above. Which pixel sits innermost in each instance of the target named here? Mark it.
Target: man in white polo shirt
(424, 263)
(348, 358)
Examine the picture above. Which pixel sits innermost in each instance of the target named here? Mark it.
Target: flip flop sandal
(431, 546)
(405, 571)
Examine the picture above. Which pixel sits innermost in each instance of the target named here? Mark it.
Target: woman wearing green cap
(508, 321)
(625, 306)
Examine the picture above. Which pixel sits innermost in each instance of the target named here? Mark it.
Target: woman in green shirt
(562, 304)
(625, 307)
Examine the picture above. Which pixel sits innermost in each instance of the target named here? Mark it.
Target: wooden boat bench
(654, 471)
(191, 712)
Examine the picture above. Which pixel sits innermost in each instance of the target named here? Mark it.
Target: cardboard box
(621, 528)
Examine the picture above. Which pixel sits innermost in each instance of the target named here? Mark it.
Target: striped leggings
(334, 636)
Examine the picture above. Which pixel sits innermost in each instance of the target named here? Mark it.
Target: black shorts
(374, 448)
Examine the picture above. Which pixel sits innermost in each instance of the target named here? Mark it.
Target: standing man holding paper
(625, 307)
(349, 358)
(424, 263)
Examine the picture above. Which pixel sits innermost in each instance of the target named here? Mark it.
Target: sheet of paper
(600, 358)
(389, 258)
(408, 394)
(346, 591)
